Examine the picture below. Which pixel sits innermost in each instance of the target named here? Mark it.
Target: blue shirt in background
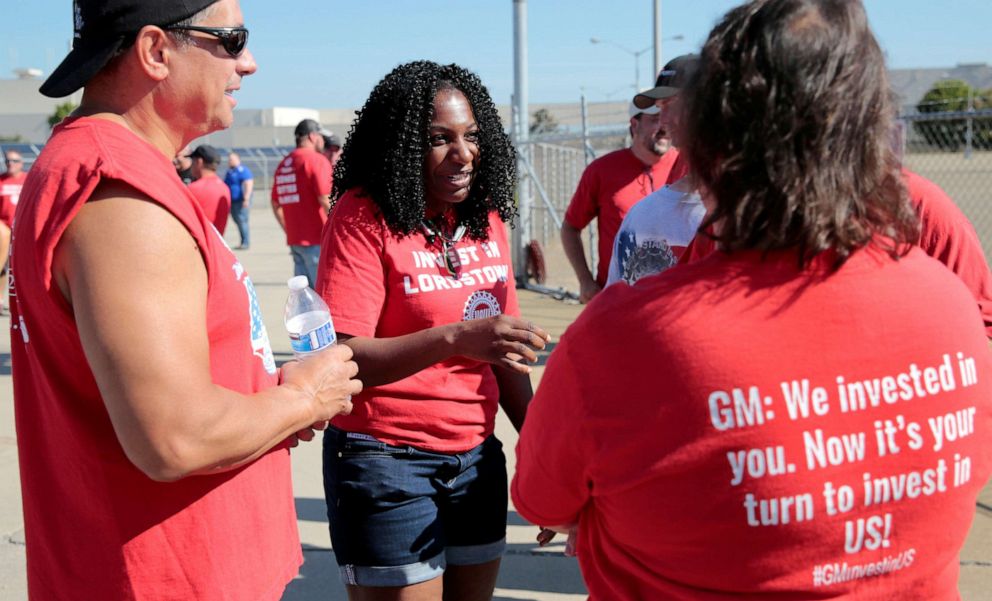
(234, 178)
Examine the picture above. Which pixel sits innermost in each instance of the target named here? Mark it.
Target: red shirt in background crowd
(609, 186)
(380, 284)
(948, 236)
(679, 170)
(10, 192)
(301, 177)
(738, 428)
(96, 526)
(215, 199)
(945, 234)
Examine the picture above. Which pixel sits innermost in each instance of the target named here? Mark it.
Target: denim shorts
(400, 515)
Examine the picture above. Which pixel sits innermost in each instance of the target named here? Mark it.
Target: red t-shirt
(945, 234)
(609, 186)
(948, 236)
(679, 170)
(10, 192)
(215, 199)
(96, 526)
(380, 284)
(663, 426)
(300, 178)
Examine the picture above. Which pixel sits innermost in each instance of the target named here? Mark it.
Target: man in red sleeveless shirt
(151, 431)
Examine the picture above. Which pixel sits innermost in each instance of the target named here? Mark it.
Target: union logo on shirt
(480, 305)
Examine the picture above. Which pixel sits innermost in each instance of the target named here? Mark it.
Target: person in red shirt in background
(210, 190)
(301, 197)
(945, 234)
(806, 414)
(152, 427)
(11, 182)
(416, 269)
(612, 184)
(948, 236)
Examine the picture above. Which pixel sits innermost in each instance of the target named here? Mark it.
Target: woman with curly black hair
(416, 269)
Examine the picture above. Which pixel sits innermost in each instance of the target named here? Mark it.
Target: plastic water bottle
(307, 318)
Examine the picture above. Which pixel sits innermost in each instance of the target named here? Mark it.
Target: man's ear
(154, 49)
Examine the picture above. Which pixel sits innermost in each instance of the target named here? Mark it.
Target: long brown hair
(788, 125)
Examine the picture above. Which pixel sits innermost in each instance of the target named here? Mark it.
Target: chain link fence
(953, 149)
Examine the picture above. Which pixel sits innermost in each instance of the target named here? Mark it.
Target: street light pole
(657, 37)
(636, 54)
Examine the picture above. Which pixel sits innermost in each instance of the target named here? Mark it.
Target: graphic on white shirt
(260, 345)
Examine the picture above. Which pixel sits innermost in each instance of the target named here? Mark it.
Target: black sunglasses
(233, 39)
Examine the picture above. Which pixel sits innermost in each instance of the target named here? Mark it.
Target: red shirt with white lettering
(10, 192)
(609, 186)
(215, 199)
(300, 178)
(96, 526)
(713, 430)
(381, 284)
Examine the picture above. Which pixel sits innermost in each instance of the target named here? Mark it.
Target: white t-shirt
(654, 234)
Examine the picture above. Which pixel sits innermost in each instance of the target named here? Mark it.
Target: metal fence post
(969, 130)
(522, 233)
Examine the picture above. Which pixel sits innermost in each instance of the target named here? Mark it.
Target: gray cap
(309, 126)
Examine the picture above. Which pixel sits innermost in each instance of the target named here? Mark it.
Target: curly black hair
(385, 149)
(788, 125)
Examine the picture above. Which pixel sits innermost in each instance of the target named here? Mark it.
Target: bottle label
(314, 340)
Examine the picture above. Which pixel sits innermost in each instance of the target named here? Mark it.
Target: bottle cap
(298, 282)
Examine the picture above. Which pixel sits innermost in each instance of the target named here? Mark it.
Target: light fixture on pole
(635, 53)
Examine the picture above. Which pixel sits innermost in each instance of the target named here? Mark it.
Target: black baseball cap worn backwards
(100, 28)
(208, 153)
(670, 81)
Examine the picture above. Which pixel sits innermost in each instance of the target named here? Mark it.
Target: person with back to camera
(416, 269)
(301, 197)
(807, 413)
(152, 429)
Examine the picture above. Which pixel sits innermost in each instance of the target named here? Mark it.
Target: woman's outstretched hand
(504, 340)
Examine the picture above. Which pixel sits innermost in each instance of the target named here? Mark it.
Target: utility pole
(657, 39)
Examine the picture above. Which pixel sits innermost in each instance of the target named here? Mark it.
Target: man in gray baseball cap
(152, 435)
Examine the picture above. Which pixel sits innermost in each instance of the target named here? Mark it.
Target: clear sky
(329, 53)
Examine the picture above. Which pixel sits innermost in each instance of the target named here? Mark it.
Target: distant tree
(949, 96)
(543, 122)
(61, 112)
(15, 138)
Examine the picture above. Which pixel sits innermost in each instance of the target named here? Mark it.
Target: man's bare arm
(571, 242)
(137, 285)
